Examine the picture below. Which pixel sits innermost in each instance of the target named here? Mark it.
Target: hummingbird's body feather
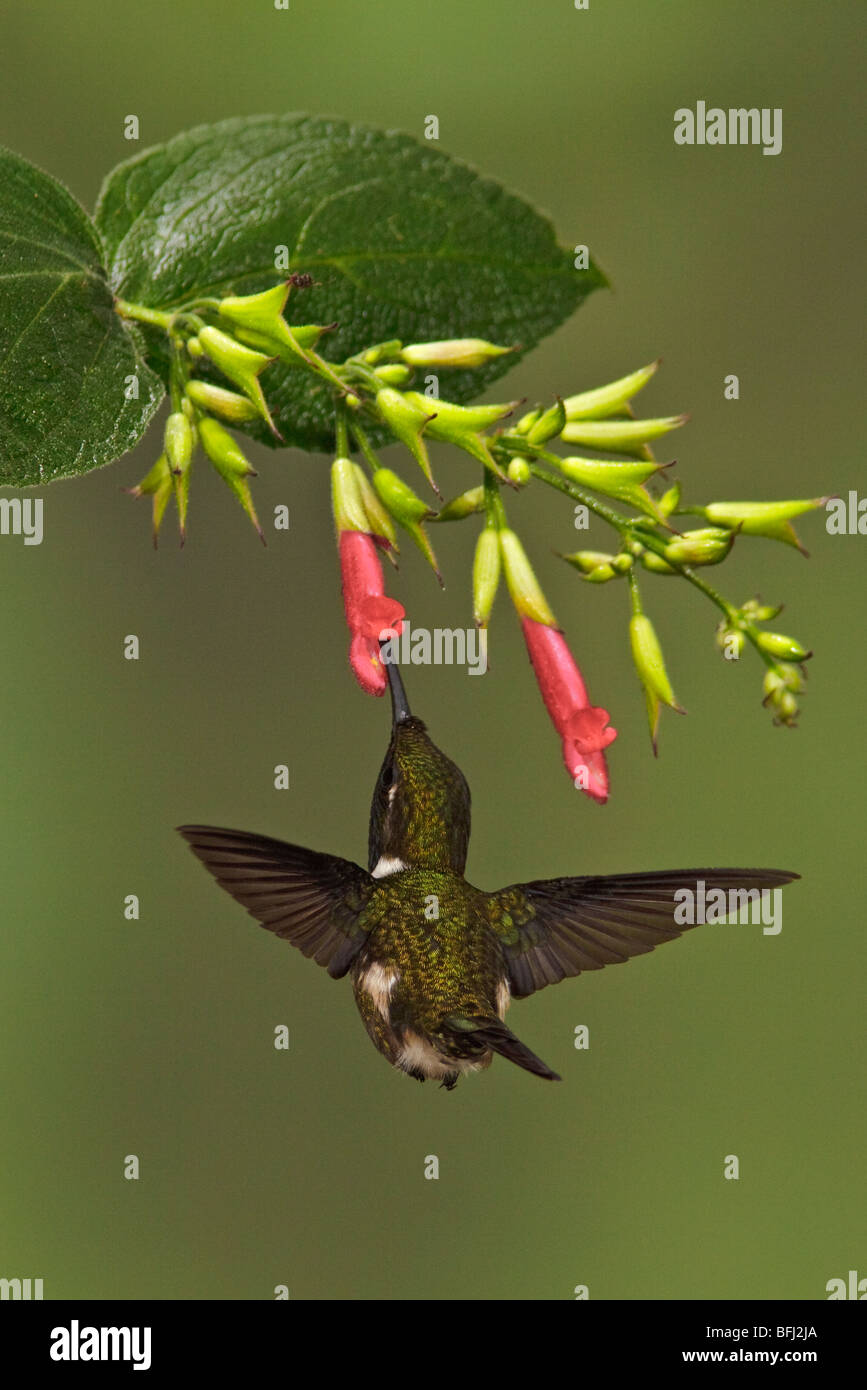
(434, 961)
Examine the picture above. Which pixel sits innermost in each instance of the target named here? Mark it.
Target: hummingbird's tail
(489, 1034)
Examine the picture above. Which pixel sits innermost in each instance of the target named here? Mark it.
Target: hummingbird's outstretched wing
(553, 929)
(312, 900)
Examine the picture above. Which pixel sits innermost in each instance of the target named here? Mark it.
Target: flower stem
(140, 312)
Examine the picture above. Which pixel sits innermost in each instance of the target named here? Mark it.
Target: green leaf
(66, 359)
(403, 242)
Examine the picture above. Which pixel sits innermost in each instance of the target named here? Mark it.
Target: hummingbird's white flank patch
(504, 997)
(387, 866)
(379, 981)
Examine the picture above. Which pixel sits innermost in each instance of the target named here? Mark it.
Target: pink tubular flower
(369, 610)
(583, 727)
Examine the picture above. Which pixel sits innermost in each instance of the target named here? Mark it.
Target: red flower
(581, 726)
(369, 610)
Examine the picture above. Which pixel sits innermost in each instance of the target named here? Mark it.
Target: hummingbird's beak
(400, 710)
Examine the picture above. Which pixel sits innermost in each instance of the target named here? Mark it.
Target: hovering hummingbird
(434, 961)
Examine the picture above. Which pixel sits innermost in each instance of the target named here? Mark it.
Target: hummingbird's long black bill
(400, 710)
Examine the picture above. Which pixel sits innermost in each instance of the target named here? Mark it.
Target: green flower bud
(262, 315)
(408, 510)
(304, 337)
(784, 648)
(708, 546)
(649, 663)
(548, 425)
(451, 422)
(518, 472)
(523, 585)
(231, 464)
(526, 422)
(382, 352)
(595, 565)
(670, 500)
(756, 612)
(655, 563)
(486, 574)
(622, 481)
(771, 519)
(461, 425)
(178, 441)
(158, 483)
(377, 515)
(240, 364)
(393, 374)
(347, 505)
(216, 400)
(616, 435)
(608, 400)
(454, 352)
(407, 421)
(194, 347)
(730, 640)
(473, 500)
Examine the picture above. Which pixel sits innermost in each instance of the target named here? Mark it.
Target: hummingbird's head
(420, 816)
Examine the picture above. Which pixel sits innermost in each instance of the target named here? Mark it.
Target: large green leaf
(402, 240)
(66, 360)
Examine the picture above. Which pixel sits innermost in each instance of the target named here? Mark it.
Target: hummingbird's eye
(387, 776)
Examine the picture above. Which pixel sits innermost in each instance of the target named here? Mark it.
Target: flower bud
(262, 315)
(392, 374)
(157, 483)
(783, 648)
(378, 516)
(231, 464)
(216, 400)
(708, 546)
(465, 504)
(756, 612)
(730, 640)
(303, 338)
(486, 574)
(407, 422)
(382, 352)
(408, 510)
(617, 435)
(346, 500)
(670, 500)
(548, 425)
(649, 663)
(622, 481)
(608, 400)
(518, 472)
(451, 422)
(597, 567)
(454, 352)
(240, 364)
(771, 519)
(523, 585)
(194, 347)
(526, 422)
(655, 563)
(179, 441)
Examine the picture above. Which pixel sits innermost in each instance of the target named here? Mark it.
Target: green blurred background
(155, 1037)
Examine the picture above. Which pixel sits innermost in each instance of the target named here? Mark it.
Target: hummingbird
(435, 962)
